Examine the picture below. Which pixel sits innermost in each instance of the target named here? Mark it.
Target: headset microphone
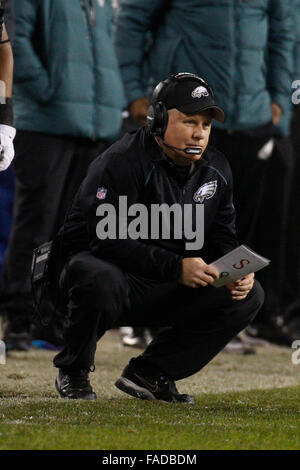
(187, 150)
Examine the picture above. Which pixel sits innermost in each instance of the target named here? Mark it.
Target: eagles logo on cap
(200, 91)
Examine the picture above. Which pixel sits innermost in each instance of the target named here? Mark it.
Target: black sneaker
(75, 385)
(150, 388)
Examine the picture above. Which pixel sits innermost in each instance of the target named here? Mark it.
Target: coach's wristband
(6, 112)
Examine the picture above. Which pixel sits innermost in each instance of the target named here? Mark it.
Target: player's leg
(36, 154)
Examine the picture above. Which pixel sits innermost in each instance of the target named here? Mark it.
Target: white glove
(7, 152)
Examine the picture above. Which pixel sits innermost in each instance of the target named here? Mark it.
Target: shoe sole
(93, 397)
(134, 390)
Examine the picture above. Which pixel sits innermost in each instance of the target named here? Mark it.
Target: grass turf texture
(242, 402)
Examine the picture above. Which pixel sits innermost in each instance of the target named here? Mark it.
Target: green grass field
(242, 402)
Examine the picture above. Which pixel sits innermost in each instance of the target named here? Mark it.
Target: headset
(157, 116)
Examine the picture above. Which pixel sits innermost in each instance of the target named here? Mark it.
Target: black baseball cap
(189, 94)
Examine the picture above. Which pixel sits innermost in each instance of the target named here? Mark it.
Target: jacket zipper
(89, 10)
(92, 13)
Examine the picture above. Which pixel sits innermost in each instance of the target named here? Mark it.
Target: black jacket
(136, 167)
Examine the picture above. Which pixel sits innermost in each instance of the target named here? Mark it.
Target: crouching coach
(127, 263)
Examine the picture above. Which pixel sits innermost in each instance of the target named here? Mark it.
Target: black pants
(48, 171)
(292, 291)
(261, 195)
(199, 322)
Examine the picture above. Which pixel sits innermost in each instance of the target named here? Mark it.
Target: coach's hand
(276, 113)
(196, 273)
(138, 110)
(241, 288)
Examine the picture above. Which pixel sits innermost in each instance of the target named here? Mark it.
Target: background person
(68, 109)
(7, 130)
(245, 50)
(291, 317)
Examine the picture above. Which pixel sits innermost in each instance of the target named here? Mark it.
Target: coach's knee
(98, 284)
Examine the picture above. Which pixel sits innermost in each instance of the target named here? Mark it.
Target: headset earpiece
(150, 118)
(157, 119)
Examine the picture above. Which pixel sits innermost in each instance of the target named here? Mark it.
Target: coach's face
(187, 130)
